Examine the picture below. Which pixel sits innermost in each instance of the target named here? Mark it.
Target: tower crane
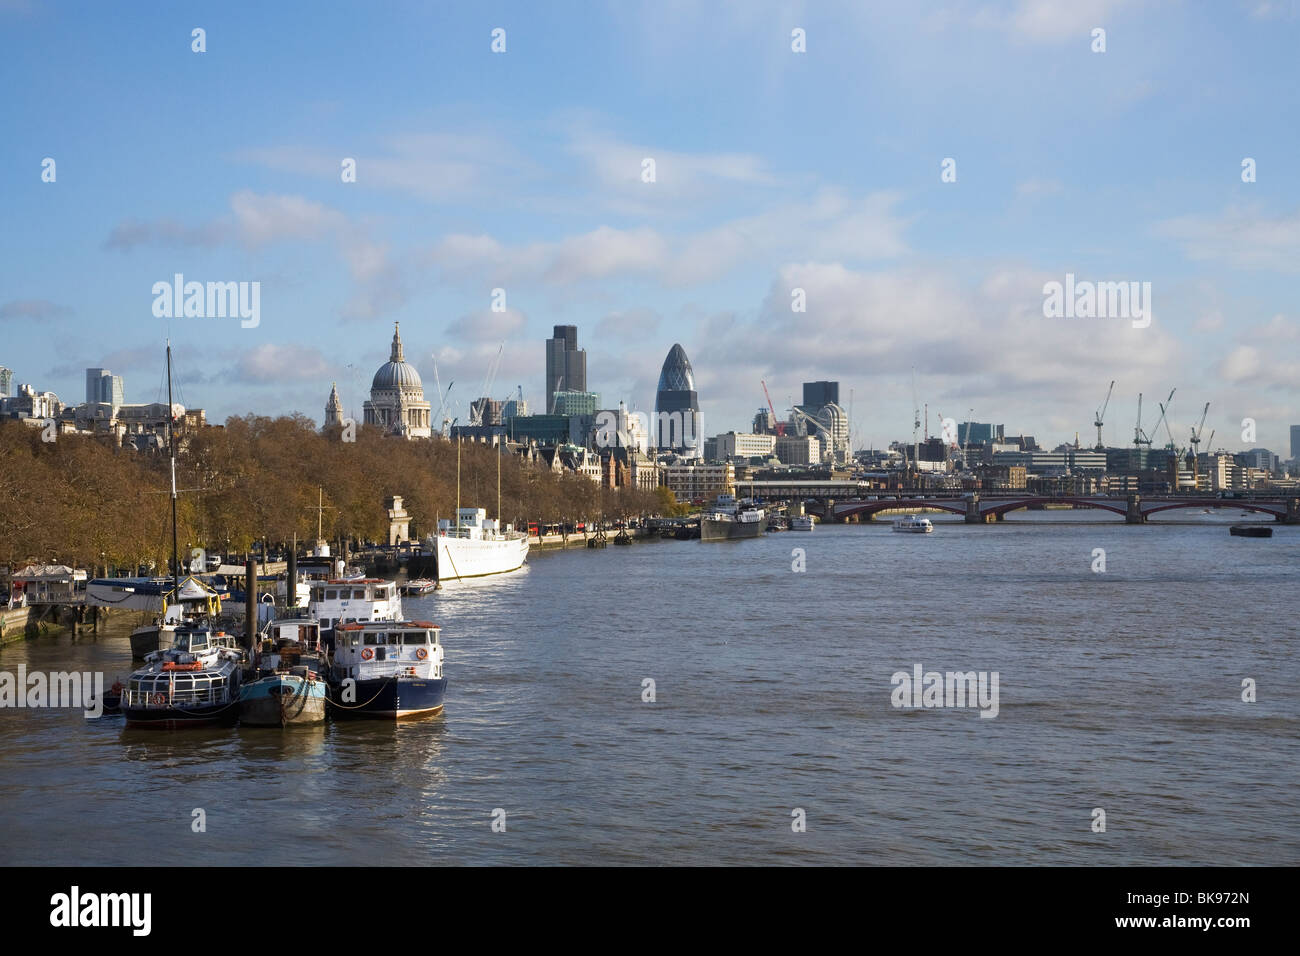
(1101, 413)
(779, 425)
(965, 442)
(916, 424)
(1196, 432)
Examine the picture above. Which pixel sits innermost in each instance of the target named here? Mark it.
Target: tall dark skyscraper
(817, 394)
(677, 407)
(566, 364)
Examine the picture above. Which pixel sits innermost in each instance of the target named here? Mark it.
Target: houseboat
(387, 669)
(290, 685)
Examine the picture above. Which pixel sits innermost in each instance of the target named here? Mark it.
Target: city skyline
(540, 194)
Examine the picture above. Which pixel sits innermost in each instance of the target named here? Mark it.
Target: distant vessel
(387, 669)
(802, 523)
(731, 519)
(1251, 531)
(349, 600)
(290, 687)
(474, 547)
(914, 524)
(193, 683)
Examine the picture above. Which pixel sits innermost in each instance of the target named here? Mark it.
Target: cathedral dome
(396, 373)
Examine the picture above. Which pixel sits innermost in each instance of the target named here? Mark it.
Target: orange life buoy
(367, 653)
(422, 653)
(160, 699)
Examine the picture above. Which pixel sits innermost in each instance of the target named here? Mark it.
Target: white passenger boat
(914, 524)
(802, 523)
(353, 600)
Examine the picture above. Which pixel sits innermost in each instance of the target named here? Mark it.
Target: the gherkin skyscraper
(677, 406)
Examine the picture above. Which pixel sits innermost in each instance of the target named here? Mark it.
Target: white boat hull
(475, 558)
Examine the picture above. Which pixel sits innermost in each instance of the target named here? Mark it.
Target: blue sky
(774, 170)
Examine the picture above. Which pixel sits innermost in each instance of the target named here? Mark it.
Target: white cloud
(1242, 237)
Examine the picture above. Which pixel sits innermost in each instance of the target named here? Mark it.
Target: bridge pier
(1292, 515)
(973, 515)
(1134, 514)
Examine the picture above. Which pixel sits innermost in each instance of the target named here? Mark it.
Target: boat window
(359, 595)
(372, 639)
(419, 637)
(331, 595)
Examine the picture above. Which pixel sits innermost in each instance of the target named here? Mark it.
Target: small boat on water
(914, 524)
(419, 586)
(1251, 531)
(192, 683)
(290, 687)
(387, 669)
(802, 523)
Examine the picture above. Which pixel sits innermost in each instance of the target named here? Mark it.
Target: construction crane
(1196, 432)
(965, 442)
(443, 424)
(1101, 413)
(780, 425)
(916, 424)
(476, 413)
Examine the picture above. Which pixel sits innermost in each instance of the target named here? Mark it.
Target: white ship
(914, 524)
(801, 523)
(475, 546)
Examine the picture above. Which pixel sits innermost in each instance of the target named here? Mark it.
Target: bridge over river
(846, 501)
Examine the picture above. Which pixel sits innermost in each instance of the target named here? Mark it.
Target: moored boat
(193, 683)
(802, 523)
(419, 586)
(387, 669)
(290, 687)
(347, 600)
(730, 520)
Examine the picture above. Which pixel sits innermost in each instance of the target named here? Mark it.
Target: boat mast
(458, 483)
(498, 486)
(171, 450)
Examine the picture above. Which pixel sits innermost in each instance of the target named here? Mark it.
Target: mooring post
(250, 602)
(291, 585)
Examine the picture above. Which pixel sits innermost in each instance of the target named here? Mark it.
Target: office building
(566, 364)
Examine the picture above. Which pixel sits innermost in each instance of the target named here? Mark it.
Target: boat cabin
(344, 600)
(387, 648)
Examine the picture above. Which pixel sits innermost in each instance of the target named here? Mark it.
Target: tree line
(82, 501)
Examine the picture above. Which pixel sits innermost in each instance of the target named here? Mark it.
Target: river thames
(1119, 690)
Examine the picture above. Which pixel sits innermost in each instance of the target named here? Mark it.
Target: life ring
(422, 653)
(367, 653)
(159, 699)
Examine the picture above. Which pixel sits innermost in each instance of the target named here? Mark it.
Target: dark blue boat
(387, 669)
